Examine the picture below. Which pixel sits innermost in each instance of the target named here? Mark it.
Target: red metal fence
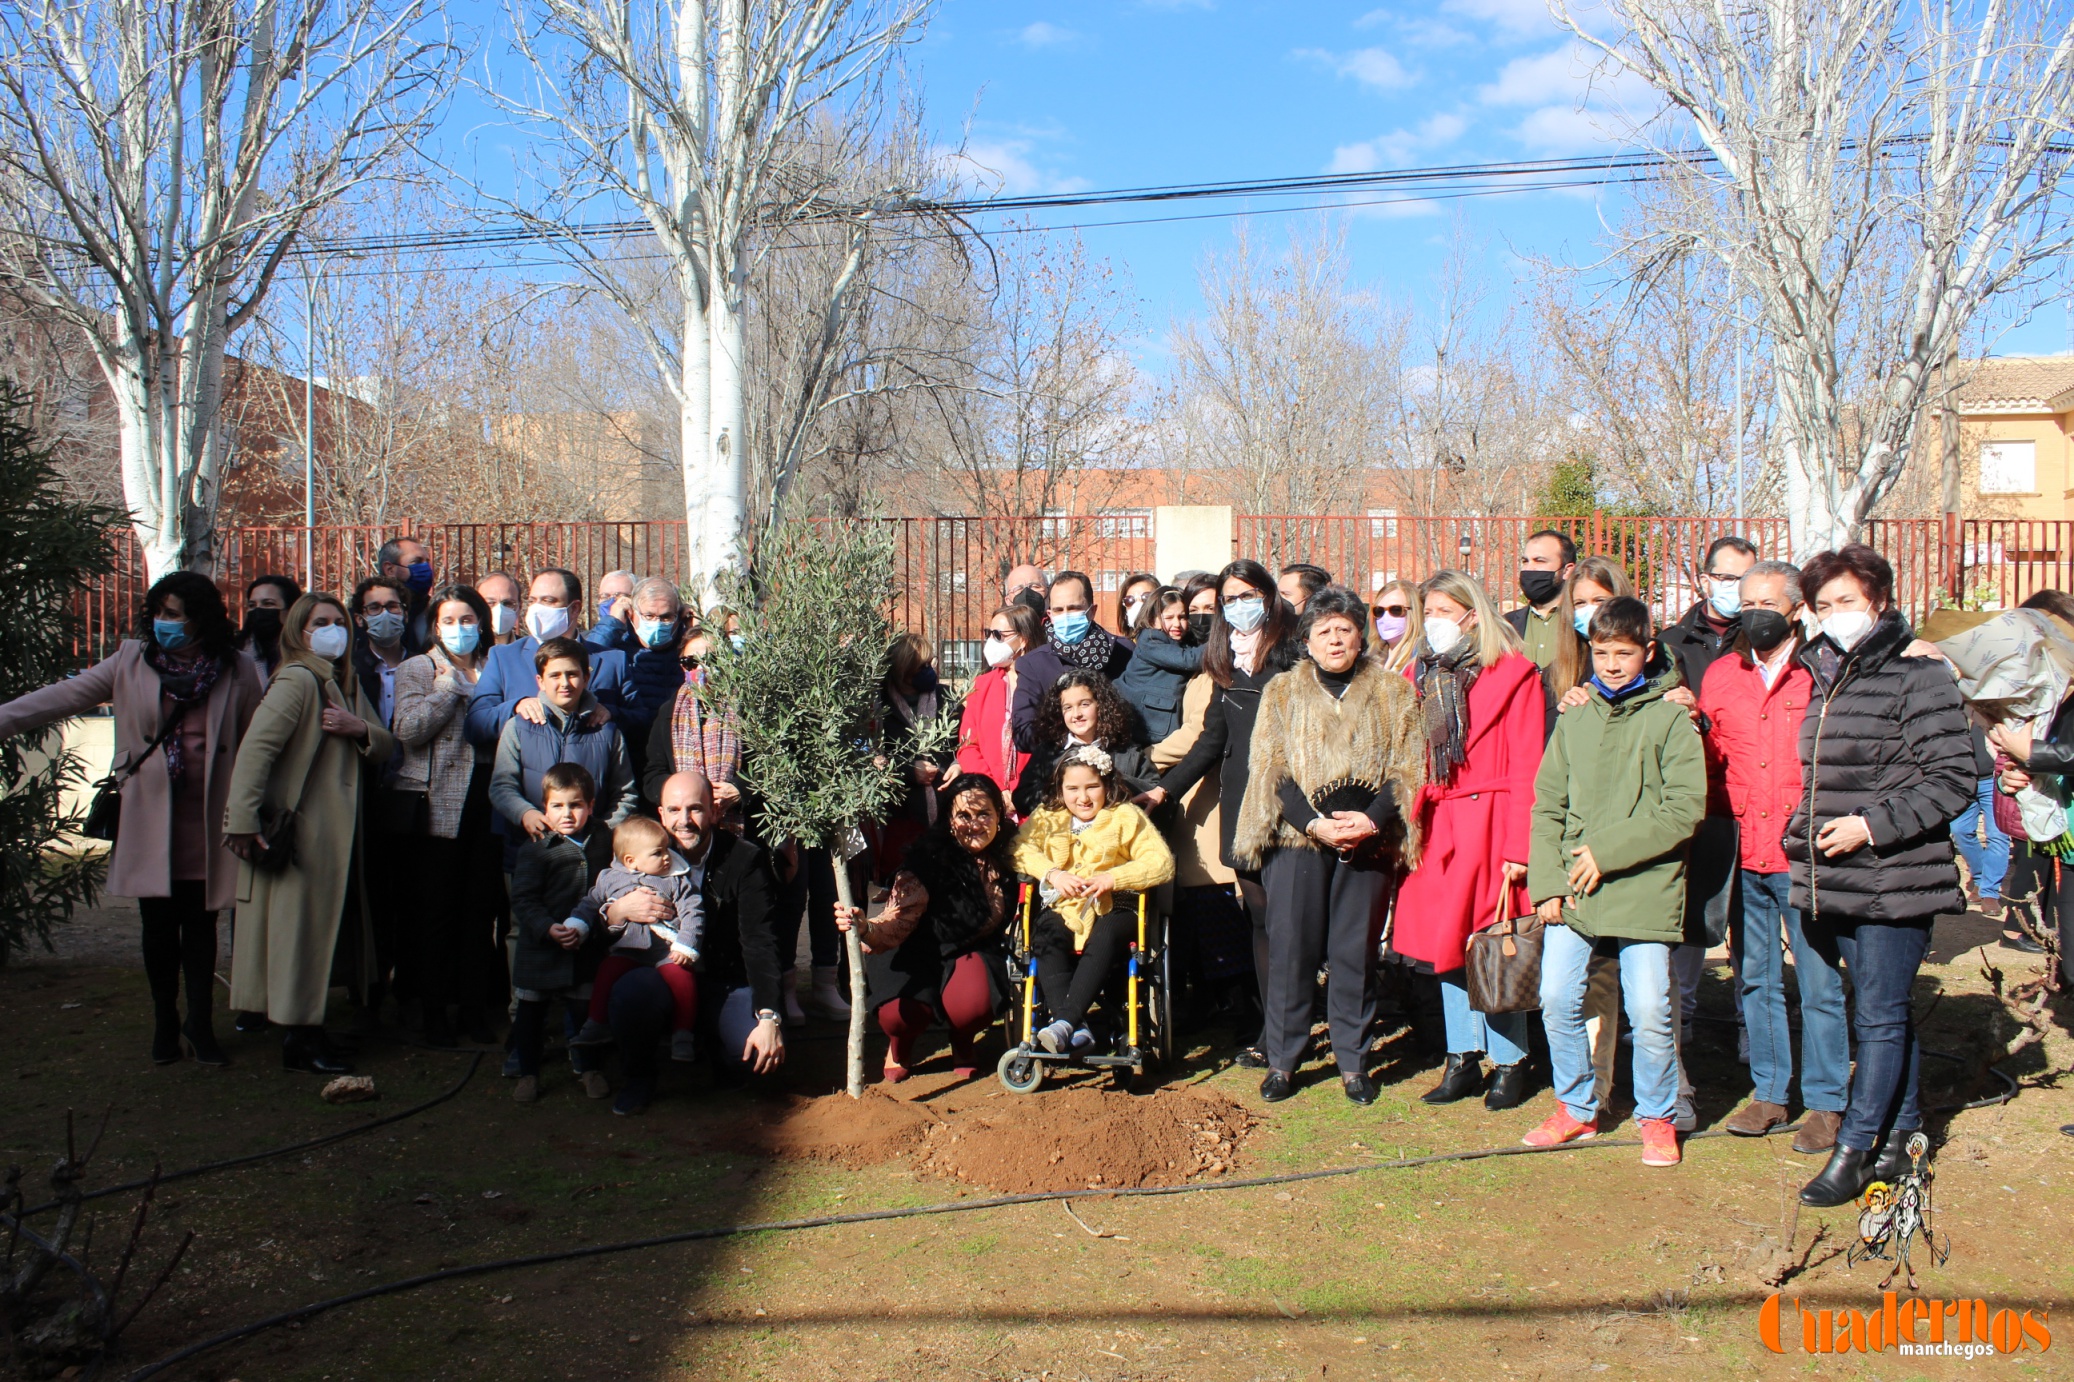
(950, 569)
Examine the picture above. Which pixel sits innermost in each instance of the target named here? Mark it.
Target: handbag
(277, 833)
(1352, 794)
(1502, 962)
(104, 812)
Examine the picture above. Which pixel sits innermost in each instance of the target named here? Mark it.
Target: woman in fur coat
(1483, 718)
(1337, 756)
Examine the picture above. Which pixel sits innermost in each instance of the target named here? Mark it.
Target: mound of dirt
(835, 1127)
(1073, 1139)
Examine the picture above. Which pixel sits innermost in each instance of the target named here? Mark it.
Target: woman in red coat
(986, 740)
(1485, 713)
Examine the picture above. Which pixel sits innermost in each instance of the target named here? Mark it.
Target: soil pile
(1077, 1139)
(837, 1128)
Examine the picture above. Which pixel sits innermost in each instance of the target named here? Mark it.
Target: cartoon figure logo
(1892, 1215)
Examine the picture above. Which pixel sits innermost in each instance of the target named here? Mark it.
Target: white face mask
(998, 652)
(545, 622)
(503, 619)
(1847, 627)
(1442, 635)
(328, 641)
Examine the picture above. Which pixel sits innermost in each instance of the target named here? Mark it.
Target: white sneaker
(827, 999)
(794, 1015)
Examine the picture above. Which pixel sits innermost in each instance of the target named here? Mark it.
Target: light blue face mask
(385, 627)
(736, 640)
(1246, 613)
(1727, 599)
(170, 634)
(460, 639)
(1069, 628)
(653, 633)
(1582, 618)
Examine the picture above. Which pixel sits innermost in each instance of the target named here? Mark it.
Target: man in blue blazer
(508, 685)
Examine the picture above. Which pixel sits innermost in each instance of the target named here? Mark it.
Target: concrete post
(1198, 537)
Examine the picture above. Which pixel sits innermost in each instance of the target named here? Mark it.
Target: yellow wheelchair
(1147, 1039)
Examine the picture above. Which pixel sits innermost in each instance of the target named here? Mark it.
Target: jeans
(1988, 863)
(1645, 988)
(1501, 1036)
(1883, 959)
(1825, 1042)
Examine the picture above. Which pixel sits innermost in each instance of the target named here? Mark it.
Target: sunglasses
(1395, 611)
(1001, 633)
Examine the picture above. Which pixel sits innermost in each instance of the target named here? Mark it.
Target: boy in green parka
(1621, 790)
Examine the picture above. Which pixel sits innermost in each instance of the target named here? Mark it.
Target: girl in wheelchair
(1091, 852)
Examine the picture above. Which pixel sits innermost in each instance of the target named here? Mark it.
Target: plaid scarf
(186, 682)
(699, 742)
(1444, 684)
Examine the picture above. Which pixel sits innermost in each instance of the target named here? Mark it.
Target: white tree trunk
(854, 947)
(727, 472)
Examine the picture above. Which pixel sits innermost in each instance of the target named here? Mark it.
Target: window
(1382, 523)
(2009, 467)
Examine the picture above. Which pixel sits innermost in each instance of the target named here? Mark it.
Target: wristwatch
(766, 1015)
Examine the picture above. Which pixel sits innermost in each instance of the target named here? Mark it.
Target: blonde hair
(1494, 636)
(1572, 666)
(296, 648)
(637, 832)
(1398, 655)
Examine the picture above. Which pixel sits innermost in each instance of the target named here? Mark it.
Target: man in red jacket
(1754, 700)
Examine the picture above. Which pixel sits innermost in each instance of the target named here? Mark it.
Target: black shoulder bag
(104, 813)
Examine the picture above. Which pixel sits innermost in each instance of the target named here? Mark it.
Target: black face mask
(264, 625)
(1766, 628)
(1199, 627)
(1540, 587)
(1031, 599)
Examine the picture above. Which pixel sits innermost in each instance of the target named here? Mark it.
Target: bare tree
(1876, 173)
(157, 159)
(697, 113)
(1283, 388)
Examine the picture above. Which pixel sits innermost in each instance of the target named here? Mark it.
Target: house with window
(2016, 437)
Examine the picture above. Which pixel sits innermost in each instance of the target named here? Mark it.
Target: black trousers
(1319, 908)
(458, 887)
(1072, 984)
(179, 941)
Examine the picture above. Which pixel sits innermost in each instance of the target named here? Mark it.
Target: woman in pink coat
(182, 671)
(986, 743)
(1485, 712)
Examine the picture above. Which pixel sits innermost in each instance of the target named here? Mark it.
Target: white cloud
(1398, 148)
(1007, 166)
(1579, 103)
(1045, 35)
(1513, 18)
(1543, 77)
(1376, 67)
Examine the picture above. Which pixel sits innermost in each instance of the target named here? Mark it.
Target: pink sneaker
(1559, 1128)
(1659, 1142)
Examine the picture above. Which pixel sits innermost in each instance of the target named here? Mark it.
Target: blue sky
(1078, 94)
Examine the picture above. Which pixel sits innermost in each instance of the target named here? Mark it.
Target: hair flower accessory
(1090, 756)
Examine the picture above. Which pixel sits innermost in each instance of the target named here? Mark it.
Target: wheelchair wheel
(1020, 1071)
(1159, 1007)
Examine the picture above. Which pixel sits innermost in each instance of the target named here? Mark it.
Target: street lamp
(1463, 545)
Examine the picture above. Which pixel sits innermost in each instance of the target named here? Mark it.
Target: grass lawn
(1579, 1263)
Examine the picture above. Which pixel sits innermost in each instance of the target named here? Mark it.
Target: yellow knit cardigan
(1121, 842)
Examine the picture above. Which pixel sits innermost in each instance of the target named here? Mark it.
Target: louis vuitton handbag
(1503, 962)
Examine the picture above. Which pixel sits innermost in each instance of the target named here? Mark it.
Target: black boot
(165, 1037)
(1464, 1077)
(198, 963)
(1511, 1086)
(1893, 1161)
(161, 940)
(201, 1039)
(249, 1023)
(302, 1048)
(1843, 1180)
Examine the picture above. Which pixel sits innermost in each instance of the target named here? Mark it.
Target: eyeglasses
(1722, 576)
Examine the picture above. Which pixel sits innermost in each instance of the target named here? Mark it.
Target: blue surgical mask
(653, 633)
(1581, 617)
(419, 577)
(1069, 628)
(460, 639)
(1245, 613)
(736, 640)
(1727, 599)
(385, 627)
(170, 634)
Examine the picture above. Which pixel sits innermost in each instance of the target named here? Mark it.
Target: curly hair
(1112, 712)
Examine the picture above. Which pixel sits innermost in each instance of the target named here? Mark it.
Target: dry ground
(1580, 1263)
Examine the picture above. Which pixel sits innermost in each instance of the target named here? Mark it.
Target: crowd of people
(463, 803)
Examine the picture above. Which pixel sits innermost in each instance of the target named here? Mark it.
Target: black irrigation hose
(311, 1145)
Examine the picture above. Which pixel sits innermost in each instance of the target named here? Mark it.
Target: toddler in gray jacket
(642, 858)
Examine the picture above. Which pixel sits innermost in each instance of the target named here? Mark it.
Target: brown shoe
(1817, 1131)
(527, 1090)
(1756, 1119)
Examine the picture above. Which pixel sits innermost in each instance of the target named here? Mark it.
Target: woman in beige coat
(169, 852)
(304, 752)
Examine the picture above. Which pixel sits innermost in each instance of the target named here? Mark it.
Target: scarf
(1444, 684)
(186, 682)
(1245, 650)
(1090, 654)
(710, 744)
